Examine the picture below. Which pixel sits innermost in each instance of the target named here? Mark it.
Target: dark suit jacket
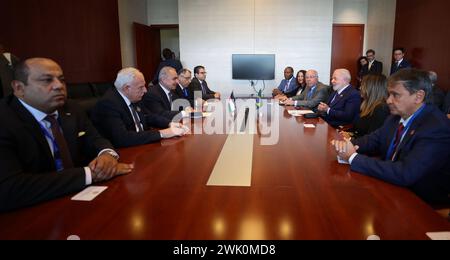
(155, 100)
(320, 95)
(196, 86)
(294, 92)
(6, 74)
(181, 94)
(404, 65)
(446, 106)
(422, 163)
(376, 69)
(113, 119)
(368, 124)
(27, 168)
(345, 107)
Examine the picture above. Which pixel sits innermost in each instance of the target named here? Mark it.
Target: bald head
(341, 79)
(40, 83)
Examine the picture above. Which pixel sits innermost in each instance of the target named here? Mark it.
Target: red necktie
(398, 137)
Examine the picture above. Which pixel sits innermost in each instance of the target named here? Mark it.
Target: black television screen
(254, 66)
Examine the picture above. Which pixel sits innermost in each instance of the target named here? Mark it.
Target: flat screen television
(254, 66)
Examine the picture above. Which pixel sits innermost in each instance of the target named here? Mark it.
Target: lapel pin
(138, 109)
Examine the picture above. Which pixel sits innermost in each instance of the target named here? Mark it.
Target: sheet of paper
(309, 126)
(341, 161)
(299, 112)
(89, 194)
(439, 235)
(207, 114)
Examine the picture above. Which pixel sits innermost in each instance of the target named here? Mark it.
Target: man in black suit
(7, 63)
(199, 84)
(182, 91)
(162, 99)
(121, 117)
(46, 143)
(169, 61)
(399, 61)
(373, 67)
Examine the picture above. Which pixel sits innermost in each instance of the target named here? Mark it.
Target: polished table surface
(299, 191)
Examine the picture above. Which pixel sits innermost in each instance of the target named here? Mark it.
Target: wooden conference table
(299, 191)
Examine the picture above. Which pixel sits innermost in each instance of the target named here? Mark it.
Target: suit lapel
(123, 106)
(163, 96)
(339, 97)
(412, 131)
(70, 130)
(33, 127)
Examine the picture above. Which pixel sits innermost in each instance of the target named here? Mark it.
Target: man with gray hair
(161, 98)
(344, 104)
(314, 93)
(121, 117)
(412, 147)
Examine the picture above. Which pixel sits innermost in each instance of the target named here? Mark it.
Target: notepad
(299, 112)
(89, 194)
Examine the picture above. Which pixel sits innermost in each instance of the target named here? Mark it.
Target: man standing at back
(7, 63)
(373, 67)
(399, 61)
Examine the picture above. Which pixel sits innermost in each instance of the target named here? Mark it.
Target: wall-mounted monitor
(253, 66)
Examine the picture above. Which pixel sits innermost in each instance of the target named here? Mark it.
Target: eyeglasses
(204, 72)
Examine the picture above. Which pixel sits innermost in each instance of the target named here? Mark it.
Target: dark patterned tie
(137, 122)
(63, 150)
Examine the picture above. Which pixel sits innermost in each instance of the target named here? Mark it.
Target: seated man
(121, 117)
(288, 84)
(413, 144)
(199, 84)
(160, 98)
(344, 104)
(46, 143)
(314, 93)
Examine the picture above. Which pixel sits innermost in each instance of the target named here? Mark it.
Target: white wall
(162, 12)
(299, 32)
(170, 38)
(380, 30)
(130, 11)
(352, 12)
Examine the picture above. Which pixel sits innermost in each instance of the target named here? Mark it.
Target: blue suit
(423, 158)
(292, 85)
(404, 65)
(344, 108)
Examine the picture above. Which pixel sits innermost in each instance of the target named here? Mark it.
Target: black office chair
(101, 88)
(80, 91)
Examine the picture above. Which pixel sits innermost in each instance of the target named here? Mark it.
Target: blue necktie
(185, 92)
(310, 94)
(203, 88)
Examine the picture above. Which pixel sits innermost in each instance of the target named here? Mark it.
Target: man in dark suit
(121, 117)
(199, 84)
(399, 61)
(412, 147)
(182, 91)
(288, 84)
(169, 61)
(46, 143)
(344, 104)
(7, 63)
(161, 99)
(373, 67)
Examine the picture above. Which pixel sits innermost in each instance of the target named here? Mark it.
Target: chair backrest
(101, 88)
(80, 91)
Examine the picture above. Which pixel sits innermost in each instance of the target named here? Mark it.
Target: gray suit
(320, 95)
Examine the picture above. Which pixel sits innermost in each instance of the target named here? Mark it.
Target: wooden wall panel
(81, 35)
(422, 28)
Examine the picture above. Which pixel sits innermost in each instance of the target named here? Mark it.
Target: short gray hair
(165, 72)
(184, 71)
(345, 73)
(414, 80)
(126, 76)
